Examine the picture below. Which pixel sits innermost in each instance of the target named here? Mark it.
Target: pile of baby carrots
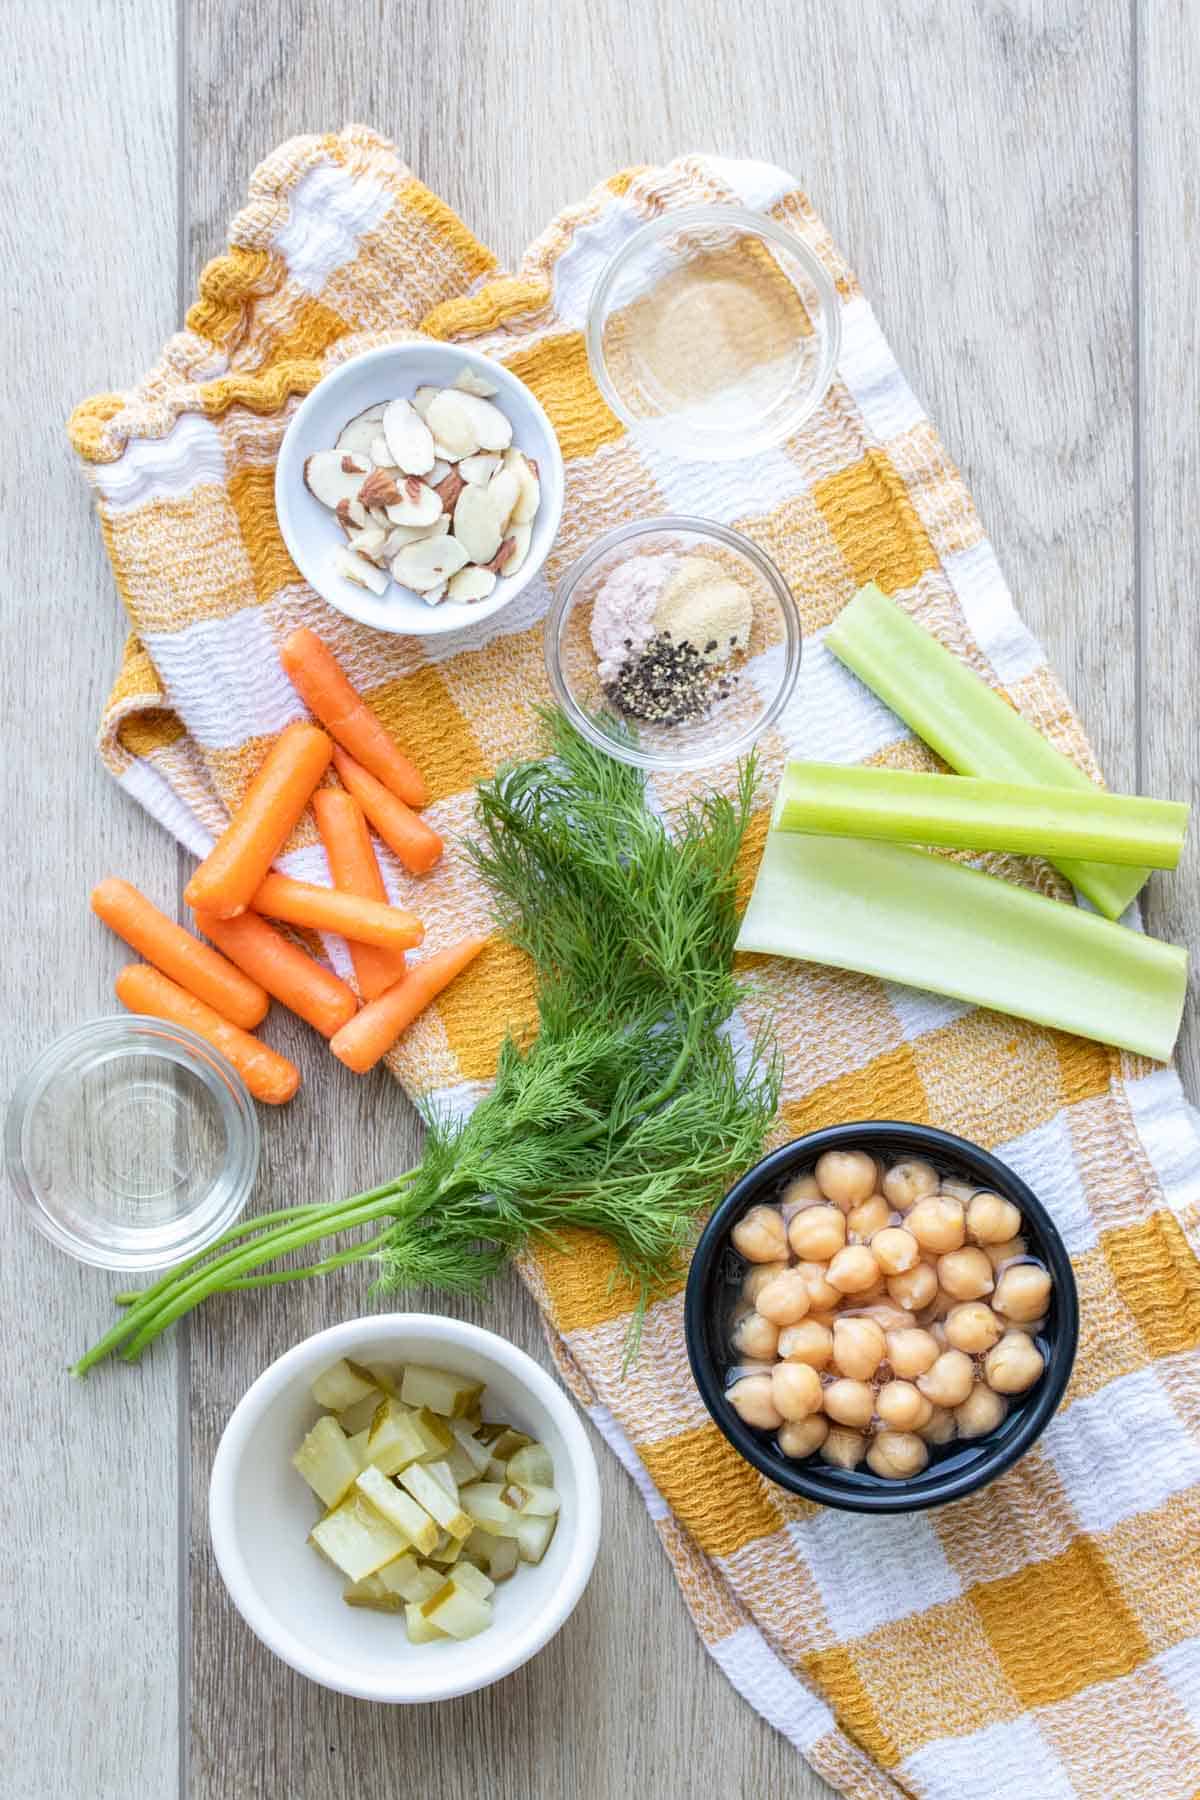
(223, 993)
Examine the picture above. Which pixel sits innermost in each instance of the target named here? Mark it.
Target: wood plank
(89, 1557)
(972, 161)
(1169, 272)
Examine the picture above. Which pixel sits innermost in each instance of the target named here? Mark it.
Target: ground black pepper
(669, 683)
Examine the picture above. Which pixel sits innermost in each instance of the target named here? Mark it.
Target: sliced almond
(468, 381)
(377, 515)
(479, 469)
(492, 428)
(358, 513)
(358, 436)
(449, 488)
(401, 535)
(424, 565)
(451, 424)
(503, 491)
(529, 488)
(368, 541)
(439, 472)
(435, 596)
(471, 583)
(423, 399)
(375, 412)
(380, 488)
(417, 504)
(331, 476)
(478, 523)
(362, 573)
(409, 438)
(445, 454)
(379, 450)
(518, 537)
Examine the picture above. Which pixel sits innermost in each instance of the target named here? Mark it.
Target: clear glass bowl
(132, 1142)
(715, 329)
(759, 684)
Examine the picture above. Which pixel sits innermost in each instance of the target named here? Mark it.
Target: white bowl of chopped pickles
(405, 1508)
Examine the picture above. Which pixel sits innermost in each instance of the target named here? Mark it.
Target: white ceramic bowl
(260, 1513)
(314, 537)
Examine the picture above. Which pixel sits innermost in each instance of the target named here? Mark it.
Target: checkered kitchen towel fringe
(1040, 1639)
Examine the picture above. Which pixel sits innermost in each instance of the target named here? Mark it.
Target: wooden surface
(1016, 184)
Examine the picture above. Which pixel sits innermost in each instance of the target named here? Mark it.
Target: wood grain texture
(88, 1541)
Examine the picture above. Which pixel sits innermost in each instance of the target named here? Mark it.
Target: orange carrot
(403, 831)
(226, 880)
(178, 954)
(268, 1075)
(318, 678)
(325, 909)
(304, 987)
(347, 844)
(373, 1031)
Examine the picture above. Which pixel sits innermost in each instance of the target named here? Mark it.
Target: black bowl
(961, 1468)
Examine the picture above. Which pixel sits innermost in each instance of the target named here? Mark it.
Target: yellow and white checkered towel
(1040, 1640)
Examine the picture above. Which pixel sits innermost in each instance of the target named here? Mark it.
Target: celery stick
(969, 725)
(923, 920)
(961, 812)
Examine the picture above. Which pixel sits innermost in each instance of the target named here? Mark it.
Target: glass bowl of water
(132, 1143)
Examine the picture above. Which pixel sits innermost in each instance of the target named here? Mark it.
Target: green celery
(970, 726)
(907, 916)
(961, 812)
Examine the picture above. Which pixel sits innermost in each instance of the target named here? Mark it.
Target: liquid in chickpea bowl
(881, 1317)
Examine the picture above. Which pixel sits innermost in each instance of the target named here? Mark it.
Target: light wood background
(1016, 183)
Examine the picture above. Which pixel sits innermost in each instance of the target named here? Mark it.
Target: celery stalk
(969, 725)
(907, 916)
(960, 812)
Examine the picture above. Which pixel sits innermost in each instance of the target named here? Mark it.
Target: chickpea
(817, 1233)
(980, 1412)
(846, 1177)
(907, 1182)
(1012, 1251)
(902, 1407)
(822, 1297)
(864, 1221)
(853, 1270)
(843, 1449)
(911, 1351)
(885, 1315)
(938, 1223)
(807, 1342)
(941, 1427)
(992, 1219)
(897, 1455)
(796, 1390)
(895, 1250)
(1014, 1364)
(915, 1288)
(1022, 1292)
(784, 1299)
(949, 1380)
(828, 1318)
(752, 1400)
(800, 1437)
(1031, 1327)
(937, 1331)
(858, 1348)
(755, 1336)
(850, 1402)
(760, 1236)
(973, 1327)
(963, 1274)
(961, 1190)
(756, 1279)
(801, 1191)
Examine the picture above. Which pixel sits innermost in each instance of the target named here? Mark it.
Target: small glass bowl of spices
(673, 643)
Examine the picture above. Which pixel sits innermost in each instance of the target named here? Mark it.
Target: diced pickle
(359, 1416)
(357, 1538)
(372, 1594)
(327, 1461)
(460, 1466)
(541, 1502)
(446, 1555)
(395, 1438)
(466, 1575)
(434, 1434)
(449, 1395)
(420, 1630)
(456, 1611)
(532, 1466)
(483, 1505)
(471, 1446)
(405, 1576)
(437, 1502)
(340, 1386)
(533, 1535)
(509, 1442)
(503, 1560)
(414, 1524)
(442, 1472)
(358, 1448)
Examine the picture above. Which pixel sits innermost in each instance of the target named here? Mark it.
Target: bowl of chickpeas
(881, 1317)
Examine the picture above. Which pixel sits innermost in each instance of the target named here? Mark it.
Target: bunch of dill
(624, 1110)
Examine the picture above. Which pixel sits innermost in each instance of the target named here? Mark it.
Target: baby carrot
(347, 844)
(268, 1075)
(318, 678)
(227, 878)
(325, 909)
(373, 1031)
(317, 995)
(178, 954)
(403, 831)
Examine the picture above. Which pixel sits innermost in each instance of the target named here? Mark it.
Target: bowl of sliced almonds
(419, 487)
(405, 1508)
